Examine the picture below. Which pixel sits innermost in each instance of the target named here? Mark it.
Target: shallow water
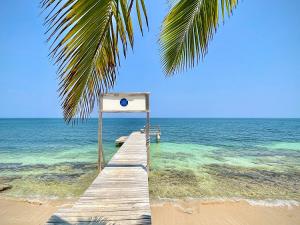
(198, 158)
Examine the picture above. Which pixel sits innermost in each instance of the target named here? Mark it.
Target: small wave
(253, 202)
(273, 203)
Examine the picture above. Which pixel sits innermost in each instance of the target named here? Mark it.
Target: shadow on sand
(57, 220)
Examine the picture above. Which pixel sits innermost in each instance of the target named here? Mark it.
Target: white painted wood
(136, 102)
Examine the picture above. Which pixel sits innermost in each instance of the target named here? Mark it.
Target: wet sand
(222, 213)
(17, 212)
(13, 212)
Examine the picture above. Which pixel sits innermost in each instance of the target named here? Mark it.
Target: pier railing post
(148, 134)
(100, 145)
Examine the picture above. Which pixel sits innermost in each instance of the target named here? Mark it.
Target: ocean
(254, 159)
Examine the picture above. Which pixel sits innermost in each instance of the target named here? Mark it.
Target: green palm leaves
(187, 30)
(85, 37)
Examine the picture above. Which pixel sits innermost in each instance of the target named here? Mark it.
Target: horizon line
(155, 117)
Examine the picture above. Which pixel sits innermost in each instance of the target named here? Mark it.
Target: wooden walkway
(119, 195)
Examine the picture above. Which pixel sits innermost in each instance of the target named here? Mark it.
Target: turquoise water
(198, 158)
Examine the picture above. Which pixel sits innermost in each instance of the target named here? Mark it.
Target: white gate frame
(100, 123)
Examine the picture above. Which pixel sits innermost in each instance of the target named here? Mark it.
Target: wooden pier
(119, 195)
(153, 131)
(120, 141)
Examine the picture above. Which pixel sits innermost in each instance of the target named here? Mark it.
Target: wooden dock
(119, 194)
(120, 141)
(153, 131)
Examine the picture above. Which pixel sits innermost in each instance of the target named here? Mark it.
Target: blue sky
(252, 68)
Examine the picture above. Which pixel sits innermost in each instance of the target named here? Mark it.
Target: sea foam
(273, 203)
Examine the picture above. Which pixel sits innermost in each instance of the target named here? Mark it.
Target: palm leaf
(187, 30)
(85, 37)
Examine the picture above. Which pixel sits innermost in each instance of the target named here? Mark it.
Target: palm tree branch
(84, 38)
(187, 30)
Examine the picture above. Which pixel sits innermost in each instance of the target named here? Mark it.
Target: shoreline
(165, 212)
(252, 202)
(158, 200)
(197, 212)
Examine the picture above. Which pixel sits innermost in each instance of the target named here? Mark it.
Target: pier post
(157, 137)
(148, 132)
(148, 141)
(100, 145)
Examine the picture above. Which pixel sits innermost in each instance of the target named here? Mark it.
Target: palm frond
(85, 36)
(187, 30)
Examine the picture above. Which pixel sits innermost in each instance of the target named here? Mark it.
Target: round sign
(124, 102)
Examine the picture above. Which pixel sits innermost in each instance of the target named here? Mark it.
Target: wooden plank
(118, 195)
(120, 141)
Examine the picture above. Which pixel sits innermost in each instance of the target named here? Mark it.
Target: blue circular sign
(124, 102)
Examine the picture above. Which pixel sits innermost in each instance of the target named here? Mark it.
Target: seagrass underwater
(203, 171)
(253, 159)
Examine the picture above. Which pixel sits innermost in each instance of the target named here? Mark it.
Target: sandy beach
(15, 212)
(222, 213)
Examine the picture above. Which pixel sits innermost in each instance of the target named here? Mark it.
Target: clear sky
(252, 68)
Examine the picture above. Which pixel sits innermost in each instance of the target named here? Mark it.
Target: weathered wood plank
(119, 195)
